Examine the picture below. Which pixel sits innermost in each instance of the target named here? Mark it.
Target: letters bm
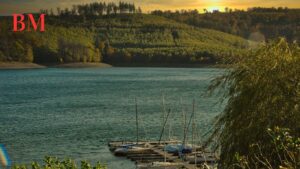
(21, 21)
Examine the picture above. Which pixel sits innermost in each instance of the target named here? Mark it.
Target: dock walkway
(153, 153)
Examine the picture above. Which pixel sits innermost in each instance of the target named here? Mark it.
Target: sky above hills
(22, 6)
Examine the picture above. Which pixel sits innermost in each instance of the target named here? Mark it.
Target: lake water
(75, 112)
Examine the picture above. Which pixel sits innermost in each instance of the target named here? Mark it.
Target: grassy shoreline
(169, 65)
(82, 65)
(21, 65)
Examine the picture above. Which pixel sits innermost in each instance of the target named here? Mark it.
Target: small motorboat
(185, 150)
(178, 149)
(172, 148)
(127, 149)
(123, 149)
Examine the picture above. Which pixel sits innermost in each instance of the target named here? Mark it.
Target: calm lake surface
(75, 112)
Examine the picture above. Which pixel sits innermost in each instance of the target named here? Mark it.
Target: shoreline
(81, 65)
(168, 65)
(19, 65)
(22, 65)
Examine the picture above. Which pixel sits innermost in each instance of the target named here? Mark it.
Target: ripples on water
(75, 112)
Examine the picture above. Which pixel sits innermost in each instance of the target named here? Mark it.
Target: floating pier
(151, 155)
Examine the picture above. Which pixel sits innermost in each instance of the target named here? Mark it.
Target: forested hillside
(117, 34)
(271, 23)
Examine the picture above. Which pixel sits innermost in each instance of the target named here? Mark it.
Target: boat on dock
(124, 150)
(163, 154)
(152, 155)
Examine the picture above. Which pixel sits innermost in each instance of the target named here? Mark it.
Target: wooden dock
(152, 153)
(174, 159)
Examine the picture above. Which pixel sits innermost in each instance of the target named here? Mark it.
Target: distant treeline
(14, 46)
(270, 22)
(56, 45)
(95, 9)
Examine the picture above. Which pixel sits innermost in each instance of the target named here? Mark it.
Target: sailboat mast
(137, 122)
(165, 122)
(193, 135)
(193, 125)
(187, 127)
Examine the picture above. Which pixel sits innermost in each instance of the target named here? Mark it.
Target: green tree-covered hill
(119, 38)
(270, 23)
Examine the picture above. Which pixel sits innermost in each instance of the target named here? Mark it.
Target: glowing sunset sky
(20, 6)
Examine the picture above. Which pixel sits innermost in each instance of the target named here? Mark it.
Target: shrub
(284, 152)
(262, 91)
(55, 163)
